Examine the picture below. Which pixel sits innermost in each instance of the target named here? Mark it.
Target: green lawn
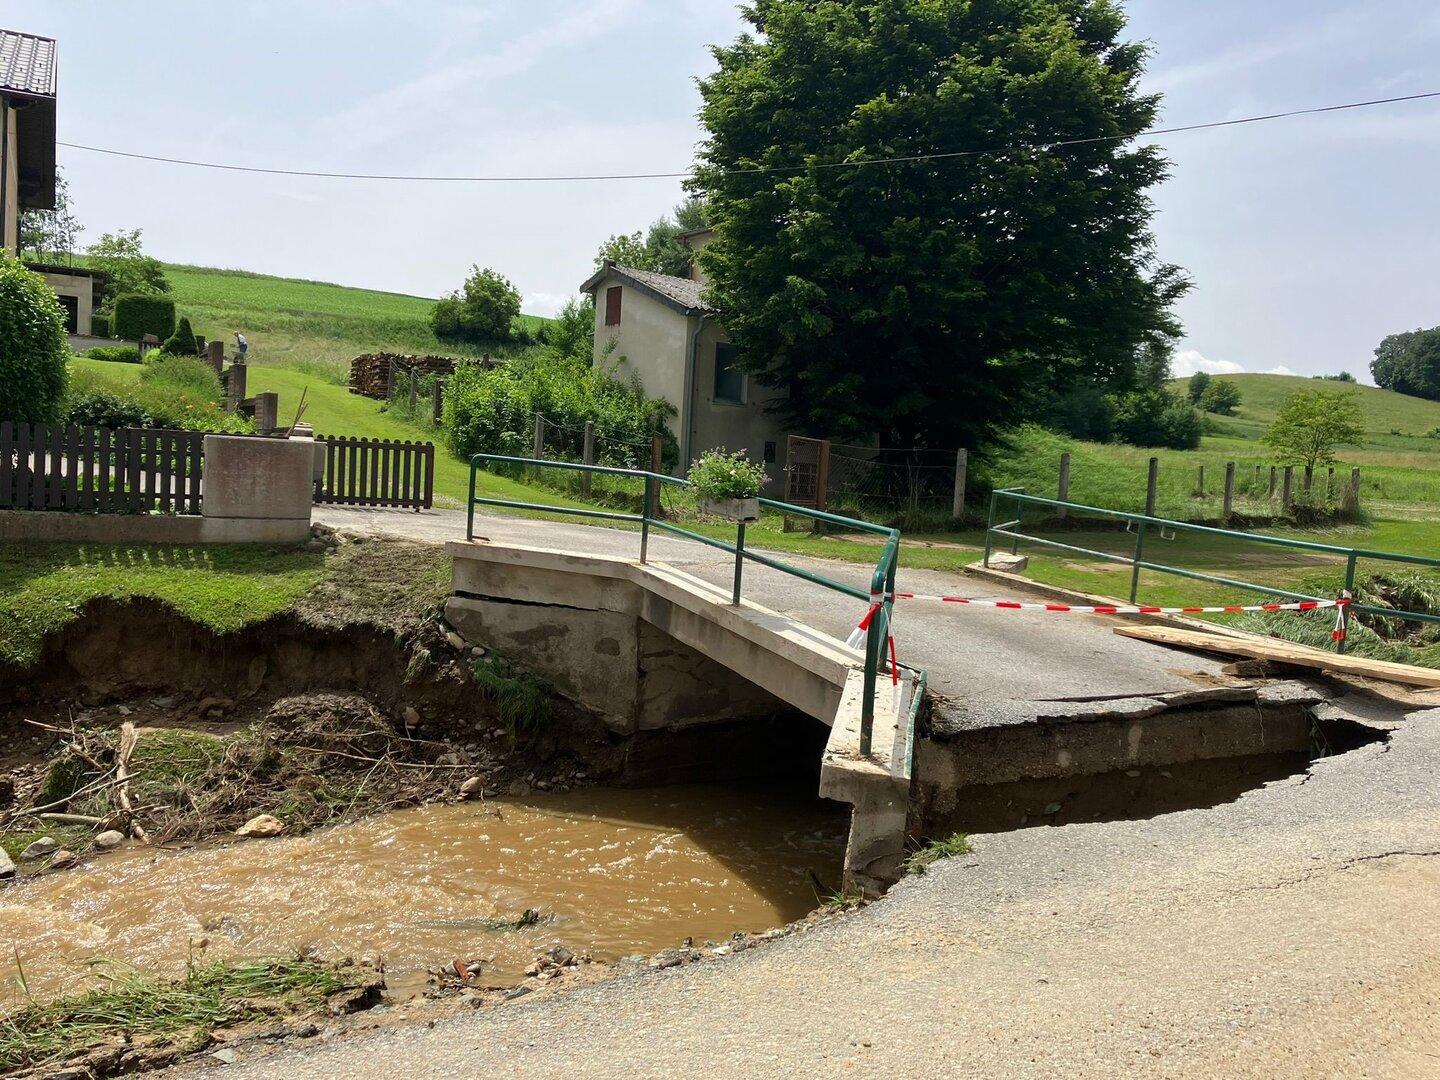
(312, 326)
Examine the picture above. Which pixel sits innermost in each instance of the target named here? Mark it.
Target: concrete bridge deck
(984, 665)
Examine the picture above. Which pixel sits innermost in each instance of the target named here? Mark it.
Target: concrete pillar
(875, 852)
(1229, 489)
(215, 354)
(1063, 488)
(1352, 493)
(962, 466)
(1152, 487)
(267, 482)
(235, 387)
(267, 412)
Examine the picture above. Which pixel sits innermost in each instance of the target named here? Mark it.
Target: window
(729, 379)
(612, 305)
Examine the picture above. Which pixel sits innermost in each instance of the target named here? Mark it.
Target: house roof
(27, 64)
(679, 293)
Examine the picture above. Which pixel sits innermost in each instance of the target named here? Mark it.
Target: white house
(661, 329)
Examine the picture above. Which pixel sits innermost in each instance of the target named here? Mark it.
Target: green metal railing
(1141, 524)
(882, 581)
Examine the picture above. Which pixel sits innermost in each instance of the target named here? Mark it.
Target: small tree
(51, 235)
(1312, 424)
(34, 352)
(126, 266)
(483, 311)
(1221, 396)
(182, 342)
(1199, 383)
(659, 249)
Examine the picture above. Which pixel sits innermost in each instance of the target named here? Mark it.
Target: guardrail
(1141, 523)
(882, 581)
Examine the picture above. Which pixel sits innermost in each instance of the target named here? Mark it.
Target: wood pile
(370, 374)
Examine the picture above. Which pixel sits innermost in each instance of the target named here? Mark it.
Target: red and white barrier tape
(1338, 634)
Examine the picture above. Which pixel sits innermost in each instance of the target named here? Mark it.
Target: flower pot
(732, 509)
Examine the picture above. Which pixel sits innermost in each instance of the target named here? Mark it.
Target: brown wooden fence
(377, 472)
(119, 471)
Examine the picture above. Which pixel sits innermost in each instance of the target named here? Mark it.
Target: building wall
(695, 243)
(748, 426)
(12, 183)
(652, 341)
(83, 289)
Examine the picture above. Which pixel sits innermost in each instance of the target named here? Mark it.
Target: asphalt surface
(1294, 932)
(972, 655)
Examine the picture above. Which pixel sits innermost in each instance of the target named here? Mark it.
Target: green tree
(34, 352)
(1154, 417)
(182, 342)
(926, 301)
(482, 311)
(1196, 387)
(659, 249)
(1311, 424)
(571, 334)
(121, 256)
(51, 235)
(1222, 396)
(1409, 363)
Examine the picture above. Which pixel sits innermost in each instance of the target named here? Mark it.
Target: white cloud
(544, 303)
(1189, 361)
(1281, 369)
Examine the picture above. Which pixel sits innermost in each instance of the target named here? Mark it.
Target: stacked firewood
(370, 374)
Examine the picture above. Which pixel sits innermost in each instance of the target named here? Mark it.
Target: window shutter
(612, 305)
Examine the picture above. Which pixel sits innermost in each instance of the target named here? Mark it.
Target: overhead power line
(778, 169)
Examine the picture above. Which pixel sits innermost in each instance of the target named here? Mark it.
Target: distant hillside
(315, 326)
(1385, 412)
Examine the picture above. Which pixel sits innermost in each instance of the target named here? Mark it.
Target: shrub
(1221, 396)
(100, 325)
(182, 342)
(34, 352)
(718, 475)
(138, 314)
(1199, 383)
(94, 406)
(482, 311)
(184, 392)
(115, 354)
(1157, 418)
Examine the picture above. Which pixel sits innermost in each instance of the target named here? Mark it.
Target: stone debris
(472, 788)
(46, 845)
(553, 961)
(454, 640)
(262, 825)
(108, 840)
(7, 866)
(411, 716)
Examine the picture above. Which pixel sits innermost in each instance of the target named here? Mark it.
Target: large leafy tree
(482, 311)
(1409, 363)
(930, 301)
(658, 249)
(121, 255)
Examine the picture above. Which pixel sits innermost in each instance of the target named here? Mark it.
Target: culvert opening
(575, 828)
(1079, 772)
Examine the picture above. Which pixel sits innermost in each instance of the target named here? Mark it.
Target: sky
(1307, 239)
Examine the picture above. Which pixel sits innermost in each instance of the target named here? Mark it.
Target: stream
(612, 872)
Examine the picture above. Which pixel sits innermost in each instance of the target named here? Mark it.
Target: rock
(411, 716)
(1010, 564)
(307, 1031)
(518, 992)
(477, 652)
(109, 840)
(40, 848)
(225, 1057)
(1132, 773)
(1053, 808)
(518, 789)
(454, 640)
(7, 865)
(262, 825)
(558, 954)
(472, 787)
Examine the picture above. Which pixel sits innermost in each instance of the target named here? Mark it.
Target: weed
(839, 901)
(933, 851)
(521, 699)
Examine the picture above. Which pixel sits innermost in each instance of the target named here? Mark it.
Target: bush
(34, 352)
(95, 406)
(483, 311)
(182, 342)
(1157, 418)
(1221, 396)
(184, 392)
(718, 475)
(138, 314)
(100, 325)
(491, 411)
(1199, 383)
(115, 354)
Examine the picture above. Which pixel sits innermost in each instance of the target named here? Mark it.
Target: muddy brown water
(616, 872)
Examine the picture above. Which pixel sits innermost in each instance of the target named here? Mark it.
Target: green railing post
(873, 642)
(989, 527)
(1345, 611)
(470, 506)
(739, 562)
(645, 513)
(1135, 562)
(1015, 539)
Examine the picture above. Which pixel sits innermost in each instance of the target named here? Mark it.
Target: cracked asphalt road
(1294, 932)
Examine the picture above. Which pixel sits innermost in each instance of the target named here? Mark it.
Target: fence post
(414, 392)
(1287, 493)
(822, 481)
(739, 562)
(957, 503)
(1200, 482)
(989, 526)
(1255, 486)
(1272, 482)
(215, 354)
(1329, 483)
(1063, 491)
(439, 407)
(656, 457)
(389, 379)
(587, 454)
(1229, 489)
(1345, 611)
(537, 451)
(1136, 560)
(267, 412)
(1309, 479)
(1352, 493)
(1152, 487)
(236, 386)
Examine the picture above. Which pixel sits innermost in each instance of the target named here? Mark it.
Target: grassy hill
(313, 326)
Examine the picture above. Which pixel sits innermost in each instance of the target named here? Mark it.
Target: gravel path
(1294, 932)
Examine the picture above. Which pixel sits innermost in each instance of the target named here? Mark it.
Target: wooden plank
(397, 493)
(134, 490)
(387, 489)
(7, 470)
(195, 473)
(23, 469)
(55, 493)
(87, 467)
(70, 489)
(372, 455)
(362, 489)
(152, 463)
(166, 453)
(104, 464)
(352, 447)
(428, 496)
(1284, 652)
(406, 479)
(39, 441)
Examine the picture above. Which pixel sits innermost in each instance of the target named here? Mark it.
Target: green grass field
(311, 326)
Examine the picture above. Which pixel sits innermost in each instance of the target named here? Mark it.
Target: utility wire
(777, 169)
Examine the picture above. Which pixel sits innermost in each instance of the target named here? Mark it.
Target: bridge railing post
(739, 562)
(646, 513)
(989, 529)
(1136, 560)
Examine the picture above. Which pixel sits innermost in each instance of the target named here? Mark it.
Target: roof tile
(27, 63)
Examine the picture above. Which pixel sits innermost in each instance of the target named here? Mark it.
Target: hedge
(34, 352)
(138, 314)
(99, 325)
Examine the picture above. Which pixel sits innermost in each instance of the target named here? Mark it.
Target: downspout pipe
(687, 419)
(5, 176)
